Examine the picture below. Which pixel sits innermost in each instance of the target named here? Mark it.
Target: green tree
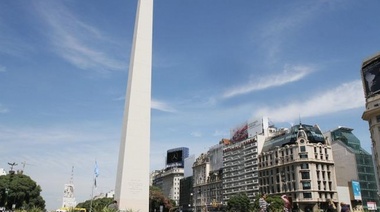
(239, 203)
(98, 205)
(157, 198)
(275, 201)
(20, 190)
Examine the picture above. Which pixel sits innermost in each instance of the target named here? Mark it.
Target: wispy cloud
(219, 133)
(77, 42)
(3, 109)
(51, 135)
(275, 31)
(162, 106)
(344, 97)
(288, 75)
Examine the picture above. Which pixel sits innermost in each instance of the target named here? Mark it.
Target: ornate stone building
(299, 163)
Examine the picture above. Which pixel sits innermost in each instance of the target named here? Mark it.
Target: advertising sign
(249, 129)
(371, 206)
(371, 78)
(356, 191)
(255, 127)
(174, 157)
(239, 133)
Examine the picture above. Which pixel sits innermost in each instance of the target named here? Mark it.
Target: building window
(302, 148)
(377, 119)
(304, 166)
(305, 175)
(304, 155)
(306, 195)
(306, 185)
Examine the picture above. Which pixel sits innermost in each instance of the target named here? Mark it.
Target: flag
(96, 170)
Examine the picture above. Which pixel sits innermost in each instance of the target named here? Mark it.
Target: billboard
(255, 126)
(249, 129)
(174, 157)
(371, 77)
(371, 206)
(356, 191)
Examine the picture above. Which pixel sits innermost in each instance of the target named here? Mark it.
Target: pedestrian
(287, 203)
(113, 206)
(263, 204)
(331, 206)
(344, 207)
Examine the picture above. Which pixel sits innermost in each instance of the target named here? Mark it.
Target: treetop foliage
(20, 190)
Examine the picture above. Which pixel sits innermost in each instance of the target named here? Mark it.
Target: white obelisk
(132, 181)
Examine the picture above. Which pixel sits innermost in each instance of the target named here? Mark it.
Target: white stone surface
(132, 181)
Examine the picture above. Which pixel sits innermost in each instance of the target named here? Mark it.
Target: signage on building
(239, 133)
(356, 191)
(249, 129)
(371, 78)
(371, 206)
(255, 127)
(174, 158)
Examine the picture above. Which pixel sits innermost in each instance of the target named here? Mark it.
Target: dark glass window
(305, 175)
(306, 185)
(306, 195)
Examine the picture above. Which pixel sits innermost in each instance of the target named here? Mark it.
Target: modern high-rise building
(353, 165)
(370, 74)
(299, 163)
(240, 159)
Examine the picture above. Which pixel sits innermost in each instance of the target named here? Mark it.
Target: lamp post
(191, 202)
(6, 198)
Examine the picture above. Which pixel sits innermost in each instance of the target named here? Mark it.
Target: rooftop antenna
(299, 117)
(23, 166)
(72, 175)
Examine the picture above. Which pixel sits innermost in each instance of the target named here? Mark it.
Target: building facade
(207, 179)
(240, 168)
(186, 203)
(168, 180)
(299, 163)
(240, 158)
(353, 164)
(370, 74)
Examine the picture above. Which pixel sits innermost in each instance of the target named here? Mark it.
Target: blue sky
(64, 69)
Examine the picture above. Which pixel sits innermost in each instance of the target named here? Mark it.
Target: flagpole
(96, 174)
(92, 193)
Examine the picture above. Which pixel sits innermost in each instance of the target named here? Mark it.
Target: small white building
(2, 172)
